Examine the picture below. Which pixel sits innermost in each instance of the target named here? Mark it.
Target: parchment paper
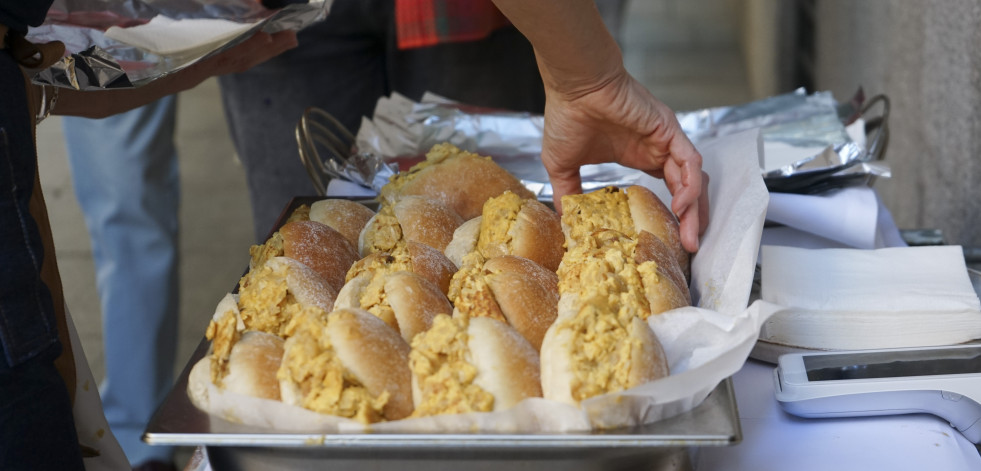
(704, 344)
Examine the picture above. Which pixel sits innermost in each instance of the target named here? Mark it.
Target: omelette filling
(385, 232)
(223, 335)
(443, 375)
(498, 216)
(602, 272)
(607, 208)
(266, 303)
(469, 291)
(324, 384)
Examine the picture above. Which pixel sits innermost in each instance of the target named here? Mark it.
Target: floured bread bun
(406, 301)
(512, 225)
(277, 289)
(273, 247)
(651, 215)
(608, 262)
(344, 216)
(471, 365)
(461, 180)
(319, 247)
(592, 351)
(464, 241)
(224, 330)
(628, 212)
(511, 289)
(347, 363)
(253, 364)
(411, 218)
(417, 258)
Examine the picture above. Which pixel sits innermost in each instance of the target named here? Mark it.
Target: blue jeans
(124, 169)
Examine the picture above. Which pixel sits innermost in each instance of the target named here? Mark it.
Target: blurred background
(691, 54)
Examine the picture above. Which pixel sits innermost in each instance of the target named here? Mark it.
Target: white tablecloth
(775, 440)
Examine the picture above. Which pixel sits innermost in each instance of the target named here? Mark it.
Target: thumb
(564, 183)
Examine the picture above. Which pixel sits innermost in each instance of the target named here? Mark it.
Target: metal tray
(664, 444)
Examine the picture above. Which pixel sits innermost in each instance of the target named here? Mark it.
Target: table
(775, 440)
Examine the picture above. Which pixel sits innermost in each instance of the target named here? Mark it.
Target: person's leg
(38, 431)
(125, 174)
(337, 67)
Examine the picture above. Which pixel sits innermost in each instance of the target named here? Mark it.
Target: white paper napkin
(854, 299)
(167, 36)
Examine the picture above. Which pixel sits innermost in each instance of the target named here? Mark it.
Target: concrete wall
(925, 56)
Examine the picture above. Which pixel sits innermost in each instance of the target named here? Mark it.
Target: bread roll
(406, 301)
(461, 180)
(345, 216)
(591, 351)
(253, 364)
(629, 212)
(475, 365)
(610, 260)
(512, 289)
(417, 258)
(512, 225)
(279, 288)
(347, 363)
(464, 241)
(319, 247)
(411, 218)
(224, 330)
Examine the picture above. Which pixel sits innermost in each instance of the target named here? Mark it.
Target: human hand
(620, 121)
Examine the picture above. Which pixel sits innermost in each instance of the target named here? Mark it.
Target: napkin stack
(860, 299)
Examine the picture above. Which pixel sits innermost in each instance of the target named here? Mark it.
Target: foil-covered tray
(667, 444)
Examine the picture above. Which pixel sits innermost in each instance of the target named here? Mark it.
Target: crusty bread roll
(512, 289)
(464, 241)
(461, 180)
(224, 330)
(591, 351)
(277, 289)
(512, 225)
(417, 258)
(471, 365)
(607, 257)
(319, 247)
(406, 301)
(347, 363)
(411, 218)
(345, 216)
(651, 215)
(629, 212)
(253, 364)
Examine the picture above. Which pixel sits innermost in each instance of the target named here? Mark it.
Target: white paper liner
(704, 345)
(190, 36)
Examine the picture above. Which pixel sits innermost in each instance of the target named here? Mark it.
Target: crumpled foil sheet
(96, 62)
(402, 128)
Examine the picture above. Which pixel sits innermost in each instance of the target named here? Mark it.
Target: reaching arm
(596, 112)
(101, 103)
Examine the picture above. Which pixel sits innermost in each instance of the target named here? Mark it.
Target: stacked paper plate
(859, 299)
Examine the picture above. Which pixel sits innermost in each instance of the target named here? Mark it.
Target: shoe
(155, 465)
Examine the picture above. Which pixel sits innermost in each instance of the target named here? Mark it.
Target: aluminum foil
(97, 62)
(402, 129)
(812, 125)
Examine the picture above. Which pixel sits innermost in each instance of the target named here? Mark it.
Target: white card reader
(943, 381)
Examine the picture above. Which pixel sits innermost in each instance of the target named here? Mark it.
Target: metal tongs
(328, 151)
